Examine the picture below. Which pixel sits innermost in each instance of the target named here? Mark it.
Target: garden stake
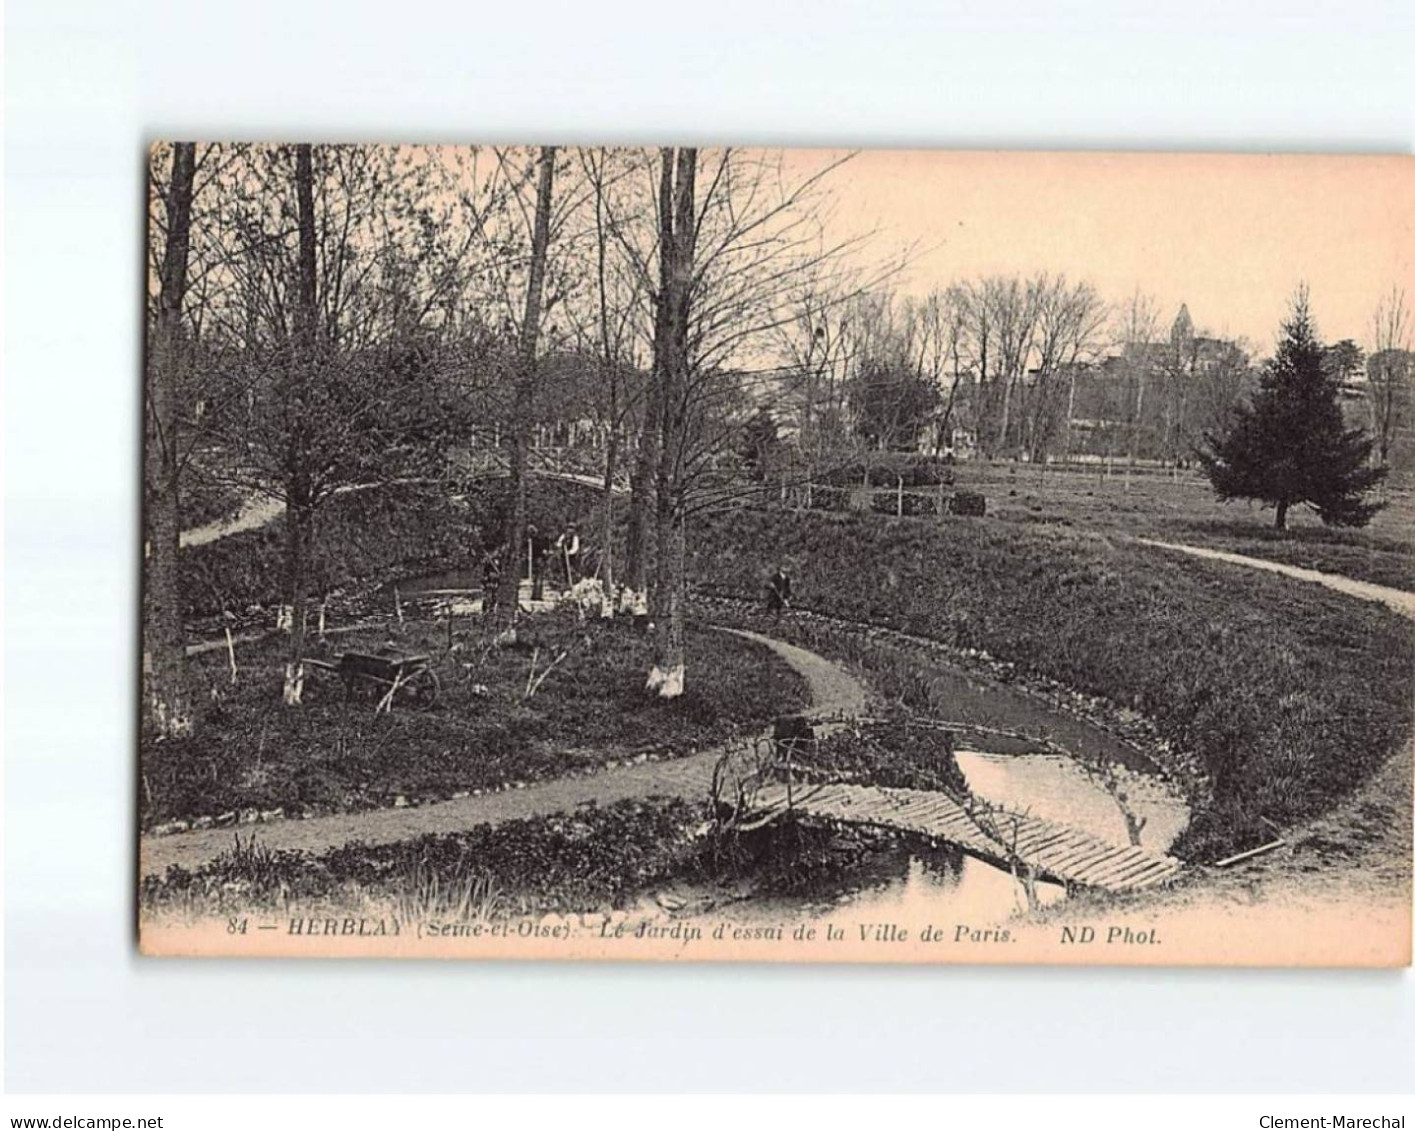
(231, 652)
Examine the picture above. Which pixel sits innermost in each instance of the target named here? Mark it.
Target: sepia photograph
(776, 555)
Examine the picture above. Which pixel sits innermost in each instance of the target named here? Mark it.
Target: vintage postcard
(777, 555)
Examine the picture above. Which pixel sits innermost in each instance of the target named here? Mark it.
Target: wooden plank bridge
(1051, 851)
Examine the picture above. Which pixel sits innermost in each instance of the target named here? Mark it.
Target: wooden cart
(391, 674)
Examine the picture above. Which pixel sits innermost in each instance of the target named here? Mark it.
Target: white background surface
(87, 83)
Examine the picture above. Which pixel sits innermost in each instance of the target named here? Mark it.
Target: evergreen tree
(1290, 444)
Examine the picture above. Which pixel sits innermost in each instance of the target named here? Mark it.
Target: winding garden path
(254, 513)
(1397, 599)
(833, 692)
(262, 510)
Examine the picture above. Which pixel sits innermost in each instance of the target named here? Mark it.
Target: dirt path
(833, 692)
(263, 510)
(1397, 599)
(254, 513)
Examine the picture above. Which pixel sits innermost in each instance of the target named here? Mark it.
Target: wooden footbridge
(1050, 851)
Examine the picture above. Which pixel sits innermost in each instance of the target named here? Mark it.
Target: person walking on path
(778, 592)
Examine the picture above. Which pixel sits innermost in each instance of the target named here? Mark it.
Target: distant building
(1156, 399)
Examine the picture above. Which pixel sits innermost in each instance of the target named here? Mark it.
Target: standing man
(490, 576)
(778, 592)
(568, 547)
(536, 553)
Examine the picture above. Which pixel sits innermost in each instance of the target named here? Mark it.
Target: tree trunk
(299, 540)
(606, 553)
(611, 441)
(1006, 410)
(1280, 519)
(669, 673)
(168, 710)
(1139, 415)
(1070, 408)
(643, 496)
(508, 589)
(644, 507)
(298, 495)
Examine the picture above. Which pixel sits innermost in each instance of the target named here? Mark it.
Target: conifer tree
(1290, 445)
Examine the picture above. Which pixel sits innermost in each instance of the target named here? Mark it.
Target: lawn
(484, 731)
(1180, 507)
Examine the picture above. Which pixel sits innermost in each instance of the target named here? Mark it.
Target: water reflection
(909, 883)
(959, 696)
(905, 884)
(1055, 788)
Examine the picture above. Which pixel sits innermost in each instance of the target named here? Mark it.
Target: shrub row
(914, 503)
(886, 469)
(1288, 694)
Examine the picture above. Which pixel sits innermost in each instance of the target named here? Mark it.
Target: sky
(1230, 236)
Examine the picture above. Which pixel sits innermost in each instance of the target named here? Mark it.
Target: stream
(909, 882)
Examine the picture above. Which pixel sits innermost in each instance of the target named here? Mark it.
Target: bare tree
(759, 246)
(817, 351)
(507, 598)
(895, 388)
(168, 712)
(1015, 304)
(299, 493)
(618, 296)
(1388, 373)
(1137, 323)
(646, 483)
(1004, 827)
(1220, 380)
(1070, 319)
(678, 248)
(330, 333)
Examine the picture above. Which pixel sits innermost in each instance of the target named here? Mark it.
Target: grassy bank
(205, 499)
(483, 731)
(366, 538)
(595, 859)
(1288, 694)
